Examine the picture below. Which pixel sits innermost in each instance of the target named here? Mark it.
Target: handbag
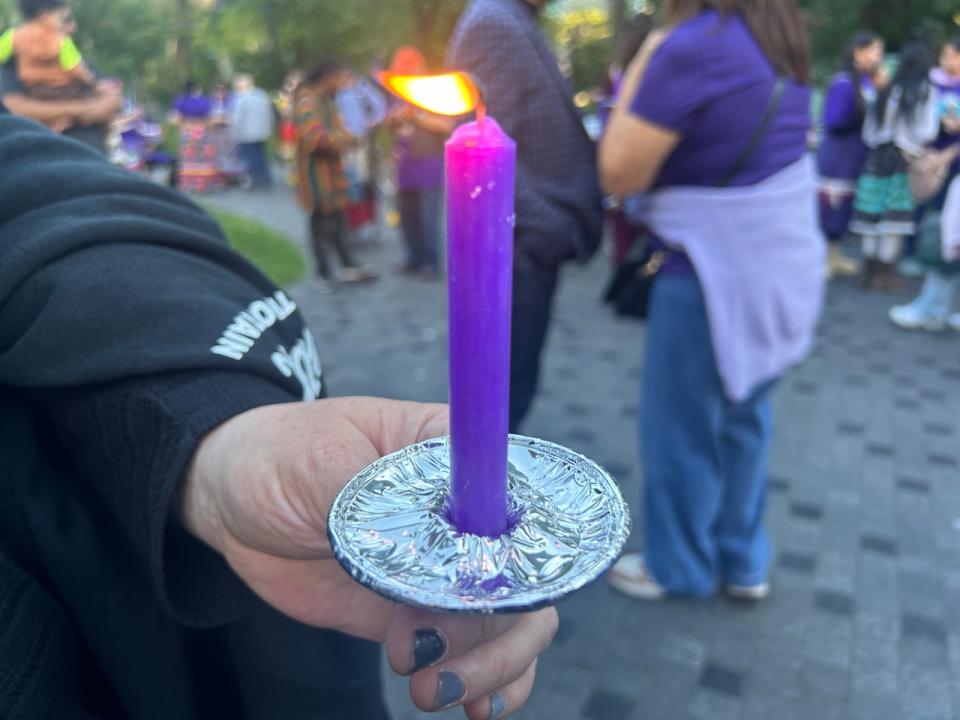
(628, 291)
(928, 172)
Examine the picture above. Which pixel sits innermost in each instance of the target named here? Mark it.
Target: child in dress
(49, 65)
(902, 123)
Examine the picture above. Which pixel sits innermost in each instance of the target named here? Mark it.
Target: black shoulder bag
(629, 289)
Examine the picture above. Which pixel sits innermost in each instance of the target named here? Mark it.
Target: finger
(487, 667)
(505, 701)
(418, 639)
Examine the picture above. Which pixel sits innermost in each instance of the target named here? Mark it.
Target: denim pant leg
(411, 221)
(431, 200)
(533, 289)
(261, 176)
(739, 530)
(681, 422)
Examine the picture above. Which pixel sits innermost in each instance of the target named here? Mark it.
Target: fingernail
(497, 705)
(429, 646)
(450, 690)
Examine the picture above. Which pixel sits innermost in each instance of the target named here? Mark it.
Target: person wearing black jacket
(166, 468)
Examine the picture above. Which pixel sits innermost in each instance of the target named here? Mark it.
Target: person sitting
(82, 118)
(49, 65)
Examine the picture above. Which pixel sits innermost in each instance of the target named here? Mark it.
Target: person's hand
(259, 490)
(951, 123)
(881, 78)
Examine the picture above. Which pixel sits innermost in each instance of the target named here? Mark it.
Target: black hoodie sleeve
(134, 330)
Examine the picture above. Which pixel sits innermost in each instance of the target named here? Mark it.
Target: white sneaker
(909, 317)
(749, 592)
(954, 322)
(630, 576)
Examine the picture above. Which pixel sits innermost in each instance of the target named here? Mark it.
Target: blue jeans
(255, 158)
(420, 212)
(704, 457)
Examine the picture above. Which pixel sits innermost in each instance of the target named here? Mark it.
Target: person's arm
(315, 134)
(928, 118)
(841, 110)
(72, 62)
(633, 149)
(113, 292)
(951, 223)
(93, 305)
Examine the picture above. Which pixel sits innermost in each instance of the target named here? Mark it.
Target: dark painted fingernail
(429, 647)
(497, 705)
(450, 690)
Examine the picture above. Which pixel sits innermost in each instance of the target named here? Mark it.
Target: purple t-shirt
(420, 161)
(194, 107)
(710, 82)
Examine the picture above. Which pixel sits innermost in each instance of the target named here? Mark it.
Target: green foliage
(153, 45)
(833, 22)
(274, 254)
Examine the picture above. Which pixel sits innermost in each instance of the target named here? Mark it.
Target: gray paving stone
(925, 693)
(603, 704)
(709, 705)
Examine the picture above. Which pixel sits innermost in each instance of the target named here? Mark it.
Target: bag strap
(773, 104)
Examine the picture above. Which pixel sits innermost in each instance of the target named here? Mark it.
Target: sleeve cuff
(193, 581)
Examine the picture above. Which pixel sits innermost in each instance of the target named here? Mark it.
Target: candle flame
(450, 94)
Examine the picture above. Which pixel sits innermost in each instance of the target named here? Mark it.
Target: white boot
(929, 311)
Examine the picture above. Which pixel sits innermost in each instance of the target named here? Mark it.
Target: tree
(833, 22)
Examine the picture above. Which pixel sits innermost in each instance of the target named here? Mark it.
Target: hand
(951, 123)
(881, 78)
(259, 490)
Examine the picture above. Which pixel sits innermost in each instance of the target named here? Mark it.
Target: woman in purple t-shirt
(740, 236)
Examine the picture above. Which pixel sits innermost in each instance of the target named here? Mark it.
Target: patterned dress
(197, 169)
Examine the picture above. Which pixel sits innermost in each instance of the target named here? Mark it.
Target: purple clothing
(949, 89)
(764, 303)
(710, 82)
(419, 161)
(193, 107)
(842, 152)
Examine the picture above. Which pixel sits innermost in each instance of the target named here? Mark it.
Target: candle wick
(481, 114)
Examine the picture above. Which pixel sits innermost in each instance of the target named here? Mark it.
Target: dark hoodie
(128, 330)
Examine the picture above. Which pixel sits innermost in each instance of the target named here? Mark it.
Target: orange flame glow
(450, 94)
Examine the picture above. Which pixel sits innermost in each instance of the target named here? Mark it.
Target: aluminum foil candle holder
(390, 530)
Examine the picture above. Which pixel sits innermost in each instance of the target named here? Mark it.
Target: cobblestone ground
(864, 508)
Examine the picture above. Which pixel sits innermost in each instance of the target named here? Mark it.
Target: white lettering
(238, 339)
(263, 313)
(286, 306)
(242, 326)
(250, 324)
(302, 362)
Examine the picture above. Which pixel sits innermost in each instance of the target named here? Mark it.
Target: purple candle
(481, 173)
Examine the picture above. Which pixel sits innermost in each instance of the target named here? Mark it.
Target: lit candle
(481, 169)
(481, 175)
